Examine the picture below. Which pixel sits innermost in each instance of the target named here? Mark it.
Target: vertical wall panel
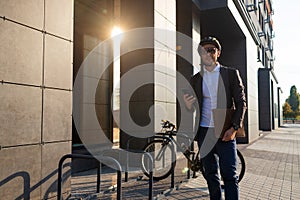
(20, 117)
(59, 18)
(21, 51)
(20, 172)
(51, 154)
(58, 62)
(29, 12)
(57, 116)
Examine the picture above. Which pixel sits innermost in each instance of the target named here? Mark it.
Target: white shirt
(210, 93)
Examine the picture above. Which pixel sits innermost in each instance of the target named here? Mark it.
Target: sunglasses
(211, 50)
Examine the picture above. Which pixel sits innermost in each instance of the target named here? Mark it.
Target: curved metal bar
(150, 175)
(173, 156)
(60, 166)
(151, 168)
(119, 173)
(127, 160)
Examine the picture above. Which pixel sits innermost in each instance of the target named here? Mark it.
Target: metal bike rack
(127, 160)
(192, 149)
(60, 166)
(150, 175)
(173, 157)
(151, 168)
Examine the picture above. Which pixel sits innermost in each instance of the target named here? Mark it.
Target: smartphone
(187, 91)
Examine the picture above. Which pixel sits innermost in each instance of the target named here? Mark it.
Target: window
(93, 21)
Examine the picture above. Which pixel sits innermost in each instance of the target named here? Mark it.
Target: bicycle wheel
(241, 165)
(161, 152)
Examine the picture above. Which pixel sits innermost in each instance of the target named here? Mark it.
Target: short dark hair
(210, 40)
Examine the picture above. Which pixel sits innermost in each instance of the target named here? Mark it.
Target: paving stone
(272, 172)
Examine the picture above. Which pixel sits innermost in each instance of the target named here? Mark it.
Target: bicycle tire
(162, 166)
(242, 164)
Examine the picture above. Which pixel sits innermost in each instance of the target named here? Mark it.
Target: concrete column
(150, 103)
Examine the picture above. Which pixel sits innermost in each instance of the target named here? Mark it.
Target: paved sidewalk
(272, 172)
(272, 168)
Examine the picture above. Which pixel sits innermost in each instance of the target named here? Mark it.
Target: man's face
(209, 54)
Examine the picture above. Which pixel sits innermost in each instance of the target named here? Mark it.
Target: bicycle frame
(171, 134)
(167, 139)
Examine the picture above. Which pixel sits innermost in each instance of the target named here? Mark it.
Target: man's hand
(229, 135)
(189, 100)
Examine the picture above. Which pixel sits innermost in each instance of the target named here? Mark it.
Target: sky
(286, 44)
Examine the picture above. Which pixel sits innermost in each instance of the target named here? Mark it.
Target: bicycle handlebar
(171, 130)
(167, 124)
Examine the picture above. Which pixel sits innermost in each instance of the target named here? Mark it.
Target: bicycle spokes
(161, 152)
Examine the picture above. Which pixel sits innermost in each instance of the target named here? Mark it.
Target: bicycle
(162, 149)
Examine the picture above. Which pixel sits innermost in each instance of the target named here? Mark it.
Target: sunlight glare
(116, 31)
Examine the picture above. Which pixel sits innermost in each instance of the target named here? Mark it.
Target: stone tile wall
(36, 52)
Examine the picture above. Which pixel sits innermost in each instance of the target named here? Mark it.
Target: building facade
(36, 91)
(44, 44)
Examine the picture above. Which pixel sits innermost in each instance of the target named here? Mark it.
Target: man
(217, 86)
